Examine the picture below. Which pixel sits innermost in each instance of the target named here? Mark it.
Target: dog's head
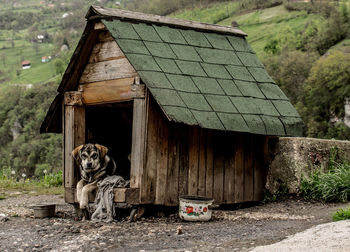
(90, 156)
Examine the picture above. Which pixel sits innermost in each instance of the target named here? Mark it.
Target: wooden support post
(138, 141)
(74, 135)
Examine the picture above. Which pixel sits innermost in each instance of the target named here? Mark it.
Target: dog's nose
(89, 164)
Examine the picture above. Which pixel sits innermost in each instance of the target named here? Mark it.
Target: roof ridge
(103, 12)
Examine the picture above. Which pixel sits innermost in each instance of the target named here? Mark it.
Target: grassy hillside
(272, 23)
(22, 21)
(260, 25)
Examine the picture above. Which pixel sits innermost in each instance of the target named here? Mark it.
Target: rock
(179, 230)
(295, 157)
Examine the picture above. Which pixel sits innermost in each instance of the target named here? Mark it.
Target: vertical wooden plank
(218, 192)
(260, 167)
(138, 142)
(258, 164)
(172, 188)
(184, 159)
(193, 161)
(209, 165)
(162, 160)
(63, 142)
(202, 161)
(248, 168)
(239, 168)
(74, 135)
(148, 184)
(229, 167)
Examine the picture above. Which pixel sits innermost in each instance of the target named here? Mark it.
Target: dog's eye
(84, 156)
(94, 156)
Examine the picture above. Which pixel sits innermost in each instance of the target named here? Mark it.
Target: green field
(260, 25)
(209, 14)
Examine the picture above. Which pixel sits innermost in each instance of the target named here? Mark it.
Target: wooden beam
(111, 91)
(99, 26)
(70, 195)
(149, 173)
(107, 70)
(74, 135)
(127, 195)
(138, 142)
(73, 98)
(155, 19)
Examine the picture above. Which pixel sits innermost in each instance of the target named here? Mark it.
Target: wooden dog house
(190, 101)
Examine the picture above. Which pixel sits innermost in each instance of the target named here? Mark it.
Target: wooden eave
(98, 12)
(70, 80)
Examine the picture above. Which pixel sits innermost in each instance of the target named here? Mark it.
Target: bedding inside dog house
(190, 101)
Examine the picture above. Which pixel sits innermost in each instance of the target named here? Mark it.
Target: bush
(341, 214)
(28, 149)
(325, 91)
(332, 186)
(52, 179)
(322, 7)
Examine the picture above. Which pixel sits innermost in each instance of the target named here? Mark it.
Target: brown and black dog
(95, 165)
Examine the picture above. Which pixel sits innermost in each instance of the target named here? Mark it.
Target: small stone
(179, 230)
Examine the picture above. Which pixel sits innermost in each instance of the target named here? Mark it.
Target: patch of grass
(269, 24)
(209, 14)
(279, 194)
(341, 214)
(47, 184)
(332, 186)
(260, 25)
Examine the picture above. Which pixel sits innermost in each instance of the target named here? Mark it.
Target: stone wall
(292, 158)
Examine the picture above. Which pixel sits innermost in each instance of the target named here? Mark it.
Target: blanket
(105, 209)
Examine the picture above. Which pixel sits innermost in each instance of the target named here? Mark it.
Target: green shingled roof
(205, 78)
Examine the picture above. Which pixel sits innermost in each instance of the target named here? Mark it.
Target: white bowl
(195, 208)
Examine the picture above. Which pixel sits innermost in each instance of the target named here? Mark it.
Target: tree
(326, 89)
(290, 69)
(59, 66)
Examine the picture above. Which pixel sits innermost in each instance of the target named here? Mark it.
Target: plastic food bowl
(43, 210)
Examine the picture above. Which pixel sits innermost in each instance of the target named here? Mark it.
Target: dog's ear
(75, 152)
(103, 150)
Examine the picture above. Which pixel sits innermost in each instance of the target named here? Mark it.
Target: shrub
(341, 214)
(52, 179)
(332, 186)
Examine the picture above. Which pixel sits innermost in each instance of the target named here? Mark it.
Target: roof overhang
(98, 12)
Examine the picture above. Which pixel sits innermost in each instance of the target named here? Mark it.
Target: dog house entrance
(111, 125)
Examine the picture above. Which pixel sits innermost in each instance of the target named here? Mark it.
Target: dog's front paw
(83, 205)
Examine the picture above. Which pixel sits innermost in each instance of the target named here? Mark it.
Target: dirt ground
(235, 229)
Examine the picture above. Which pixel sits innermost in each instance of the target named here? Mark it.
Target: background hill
(305, 47)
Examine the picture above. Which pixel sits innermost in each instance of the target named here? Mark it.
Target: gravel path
(236, 229)
(327, 237)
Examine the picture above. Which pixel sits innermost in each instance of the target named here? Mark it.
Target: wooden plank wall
(108, 76)
(187, 160)
(105, 76)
